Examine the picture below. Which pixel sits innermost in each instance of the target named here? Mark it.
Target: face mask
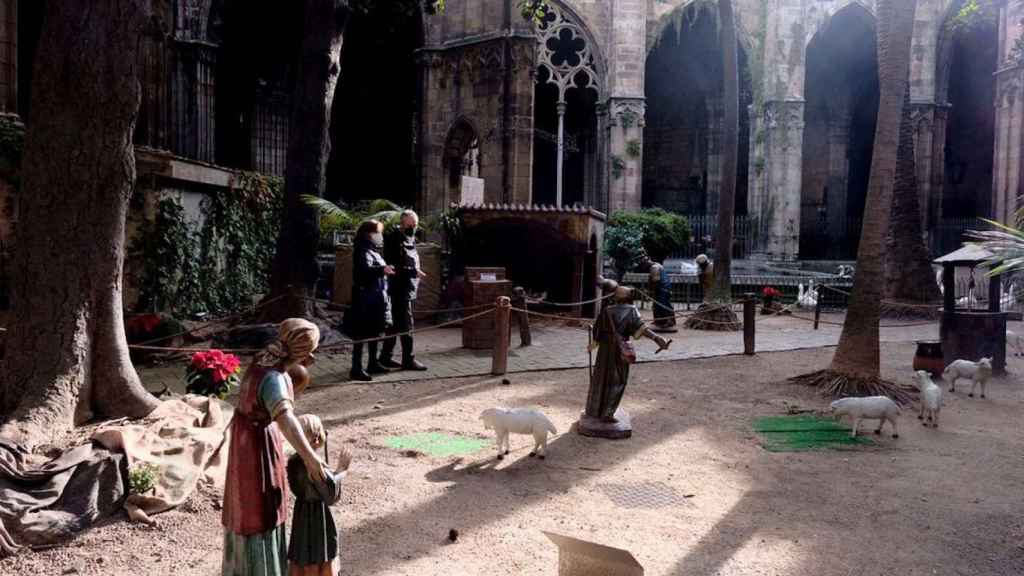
(377, 238)
(410, 232)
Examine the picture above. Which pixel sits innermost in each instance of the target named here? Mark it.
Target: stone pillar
(8, 56)
(1009, 121)
(937, 175)
(838, 172)
(775, 196)
(1009, 116)
(598, 192)
(626, 144)
(922, 117)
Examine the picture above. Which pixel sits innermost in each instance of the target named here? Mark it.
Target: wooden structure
(483, 288)
(545, 249)
(971, 334)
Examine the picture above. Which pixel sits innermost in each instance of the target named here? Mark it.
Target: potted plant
(213, 373)
(771, 301)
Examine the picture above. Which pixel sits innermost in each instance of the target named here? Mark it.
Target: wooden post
(994, 293)
(502, 333)
(817, 311)
(749, 313)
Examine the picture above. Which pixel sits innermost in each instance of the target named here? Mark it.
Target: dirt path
(945, 502)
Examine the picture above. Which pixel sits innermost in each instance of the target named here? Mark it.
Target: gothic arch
(461, 148)
(743, 37)
(859, 8)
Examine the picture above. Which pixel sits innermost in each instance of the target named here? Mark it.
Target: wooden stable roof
(969, 255)
(531, 209)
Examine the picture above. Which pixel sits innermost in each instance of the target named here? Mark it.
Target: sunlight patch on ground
(770, 555)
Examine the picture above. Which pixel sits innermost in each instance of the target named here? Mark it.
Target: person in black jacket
(370, 312)
(400, 252)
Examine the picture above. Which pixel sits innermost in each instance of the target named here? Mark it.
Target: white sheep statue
(977, 372)
(518, 421)
(878, 408)
(931, 398)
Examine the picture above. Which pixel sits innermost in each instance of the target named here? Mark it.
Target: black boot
(374, 364)
(357, 374)
(411, 363)
(386, 354)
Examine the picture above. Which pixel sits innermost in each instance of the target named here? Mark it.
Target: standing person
(255, 501)
(660, 287)
(370, 312)
(400, 252)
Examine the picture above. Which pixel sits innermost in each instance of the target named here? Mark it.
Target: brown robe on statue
(611, 372)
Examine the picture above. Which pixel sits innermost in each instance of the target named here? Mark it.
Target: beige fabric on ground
(183, 438)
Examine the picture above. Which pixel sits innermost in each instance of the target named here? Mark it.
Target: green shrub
(142, 477)
(659, 232)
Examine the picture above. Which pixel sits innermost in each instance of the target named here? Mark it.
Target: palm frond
(326, 207)
(1006, 243)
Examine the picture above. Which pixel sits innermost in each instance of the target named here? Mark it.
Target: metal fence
(703, 228)
(948, 234)
(824, 240)
(687, 290)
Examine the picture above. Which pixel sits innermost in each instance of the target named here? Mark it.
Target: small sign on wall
(472, 191)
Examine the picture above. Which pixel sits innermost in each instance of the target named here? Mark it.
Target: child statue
(313, 549)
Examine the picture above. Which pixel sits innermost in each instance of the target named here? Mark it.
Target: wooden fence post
(817, 311)
(502, 327)
(749, 313)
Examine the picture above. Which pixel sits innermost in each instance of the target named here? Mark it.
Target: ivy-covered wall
(192, 253)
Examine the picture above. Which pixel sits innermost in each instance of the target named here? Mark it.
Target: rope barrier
(211, 323)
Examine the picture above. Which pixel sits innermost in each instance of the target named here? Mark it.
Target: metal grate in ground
(649, 495)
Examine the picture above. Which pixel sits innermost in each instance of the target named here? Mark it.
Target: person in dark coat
(370, 312)
(400, 252)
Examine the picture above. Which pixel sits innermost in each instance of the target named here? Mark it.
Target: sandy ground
(934, 502)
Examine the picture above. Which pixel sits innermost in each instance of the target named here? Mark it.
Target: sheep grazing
(518, 421)
(878, 408)
(977, 372)
(931, 398)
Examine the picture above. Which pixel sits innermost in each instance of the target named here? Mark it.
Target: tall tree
(855, 368)
(294, 272)
(716, 313)
(909, 278)
(67, 355)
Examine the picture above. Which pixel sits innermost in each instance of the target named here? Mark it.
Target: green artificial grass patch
(436, 444)
(803, 432)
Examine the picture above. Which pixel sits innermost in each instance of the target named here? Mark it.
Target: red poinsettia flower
(770, 292)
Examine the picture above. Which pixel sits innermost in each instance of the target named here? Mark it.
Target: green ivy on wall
(217, 267)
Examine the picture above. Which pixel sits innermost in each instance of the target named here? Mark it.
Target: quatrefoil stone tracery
(563, 51)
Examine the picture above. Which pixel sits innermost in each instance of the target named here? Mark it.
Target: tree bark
(294, 272)
(858, 352)
(722, 291)
(909, 275)
(67, 355)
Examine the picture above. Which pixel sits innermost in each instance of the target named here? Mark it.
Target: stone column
(937, 175)
(1009, 121)
(716, 121)
(838, 172)
(625, 139)
(775, 196)
(8, 56)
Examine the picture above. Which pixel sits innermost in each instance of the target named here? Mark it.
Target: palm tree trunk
(67, 355)
(716, 312)
(722, 291)
(294, 271)
(909, 276)
(858, 355)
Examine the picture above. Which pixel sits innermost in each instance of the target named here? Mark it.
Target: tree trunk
(67, 355)
(858, 352)
(722, 291)
(909, 275)
(294, 272)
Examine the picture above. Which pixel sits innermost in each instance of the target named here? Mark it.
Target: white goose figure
(1009, 298)
(808, 299)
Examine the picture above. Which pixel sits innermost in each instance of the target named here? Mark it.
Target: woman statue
(616, 325)
(660, 287)
(255, 503)
(370, 312)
